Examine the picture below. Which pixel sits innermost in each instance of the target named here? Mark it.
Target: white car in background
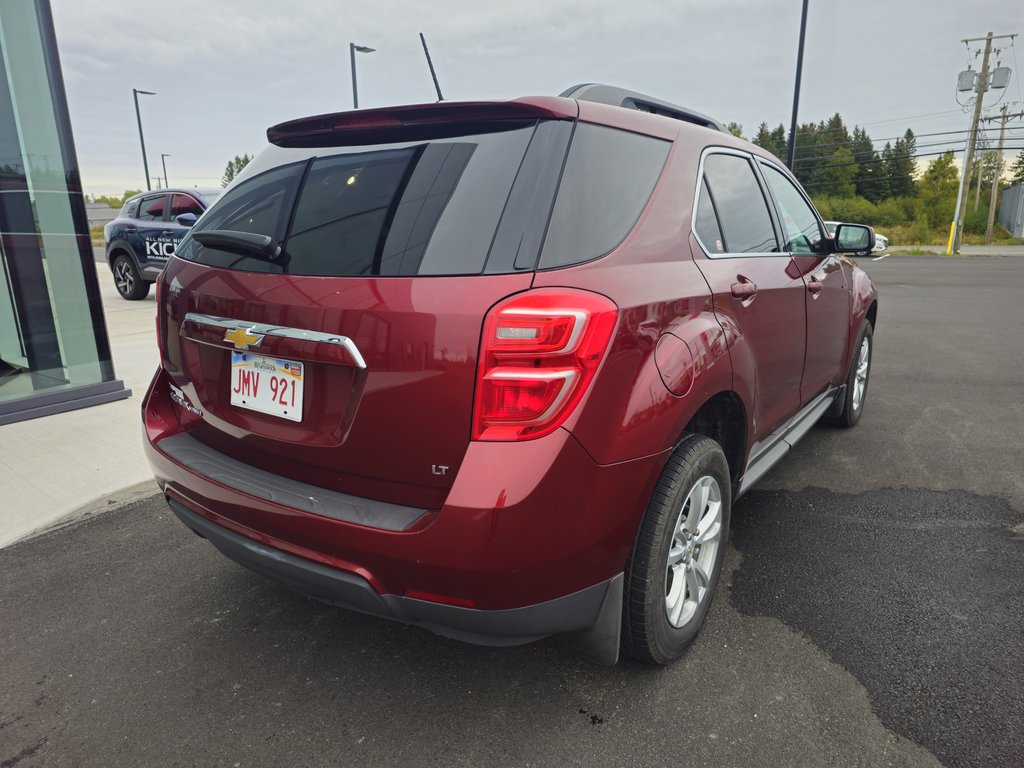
(881, 241)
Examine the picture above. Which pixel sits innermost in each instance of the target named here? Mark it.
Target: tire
(860, 365)
(653, 587)
(127, 280)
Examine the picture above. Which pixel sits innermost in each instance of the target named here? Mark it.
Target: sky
(226, 70)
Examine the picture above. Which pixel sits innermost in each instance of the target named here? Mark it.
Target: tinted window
(130, 209)
(184, 204)
(742, 210)
(430, 208)
(152, 208)
(261, 204)
(608, 179)
(803, 235)
(706, 222)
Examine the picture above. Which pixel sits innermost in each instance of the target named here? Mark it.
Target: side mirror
(854, 238)
(186, 219)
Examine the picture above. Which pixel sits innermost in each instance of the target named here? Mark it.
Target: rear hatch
(349, 359)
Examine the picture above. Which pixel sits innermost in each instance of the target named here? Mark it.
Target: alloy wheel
(691, 556)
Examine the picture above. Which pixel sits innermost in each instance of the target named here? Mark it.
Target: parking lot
(870, 612)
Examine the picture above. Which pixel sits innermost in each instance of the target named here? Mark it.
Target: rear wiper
(246, 243)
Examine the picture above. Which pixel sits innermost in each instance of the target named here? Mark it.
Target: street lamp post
(352, 49)
(142, 141)
(791, 149)
(163, 159)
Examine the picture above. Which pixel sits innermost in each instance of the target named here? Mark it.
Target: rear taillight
(538, 354)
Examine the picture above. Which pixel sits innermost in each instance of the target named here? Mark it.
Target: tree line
(852, 180)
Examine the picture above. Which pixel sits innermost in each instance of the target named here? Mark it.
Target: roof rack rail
(620, 97)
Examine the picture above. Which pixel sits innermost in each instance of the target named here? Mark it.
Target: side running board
(777, 445)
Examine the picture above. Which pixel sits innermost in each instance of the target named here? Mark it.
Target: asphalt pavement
(870, 613)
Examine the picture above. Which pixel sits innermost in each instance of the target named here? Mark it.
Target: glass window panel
(742, 210)
(609, 177)
(800, 223)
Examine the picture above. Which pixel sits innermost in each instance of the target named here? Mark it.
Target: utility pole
(961, 202)
(163, 159)
(999, 170)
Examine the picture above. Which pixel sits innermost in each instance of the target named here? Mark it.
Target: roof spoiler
(373, 126)
(620, 97)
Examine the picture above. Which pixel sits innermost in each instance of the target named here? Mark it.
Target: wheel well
(114, 253)
(723, 419)
(872, 313)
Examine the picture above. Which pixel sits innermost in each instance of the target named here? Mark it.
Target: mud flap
(837, 405)
(600, 643)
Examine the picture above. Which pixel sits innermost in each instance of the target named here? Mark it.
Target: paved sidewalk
(967, 250)
(62, 467)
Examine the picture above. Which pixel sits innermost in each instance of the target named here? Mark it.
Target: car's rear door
(151, 241)
(758, 293)
(180, 203)
(393, 255)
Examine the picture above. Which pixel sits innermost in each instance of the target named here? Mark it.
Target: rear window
(424, 208)
(609, 177)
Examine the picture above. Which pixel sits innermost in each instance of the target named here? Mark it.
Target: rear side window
(130, 209)
(609, 177)
(742, 210)
(427, 208)
(152, 208)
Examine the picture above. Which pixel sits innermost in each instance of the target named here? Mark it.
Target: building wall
(99, 214)
(1011, 210)
(54, 351)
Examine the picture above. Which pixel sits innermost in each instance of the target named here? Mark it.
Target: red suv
(500, 369)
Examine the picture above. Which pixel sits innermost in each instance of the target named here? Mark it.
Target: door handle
(744, 289)
(814, 286)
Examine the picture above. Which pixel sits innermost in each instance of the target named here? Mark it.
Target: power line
(891, 138)
(951, 145)
(914, 117)
(880, 161)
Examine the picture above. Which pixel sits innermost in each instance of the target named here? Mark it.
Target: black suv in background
(145, 233)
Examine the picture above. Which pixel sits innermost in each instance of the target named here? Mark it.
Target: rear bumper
(578, 612)
(531, 540)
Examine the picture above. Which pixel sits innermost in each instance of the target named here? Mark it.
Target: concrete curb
(105, 503)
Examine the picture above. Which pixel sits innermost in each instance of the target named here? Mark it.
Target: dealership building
(54, 350)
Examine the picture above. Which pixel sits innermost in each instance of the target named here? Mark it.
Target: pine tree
(772, 140)
(899, 165)
(870, 179)
(938, 189)
(1017, 169)
(234, 167)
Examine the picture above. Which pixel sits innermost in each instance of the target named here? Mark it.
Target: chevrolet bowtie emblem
(242, 339)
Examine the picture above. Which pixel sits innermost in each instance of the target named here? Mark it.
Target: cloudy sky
(225, 70)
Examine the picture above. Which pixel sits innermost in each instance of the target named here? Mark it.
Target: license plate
(267, 384)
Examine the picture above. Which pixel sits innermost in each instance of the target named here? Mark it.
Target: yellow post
(949, 245)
